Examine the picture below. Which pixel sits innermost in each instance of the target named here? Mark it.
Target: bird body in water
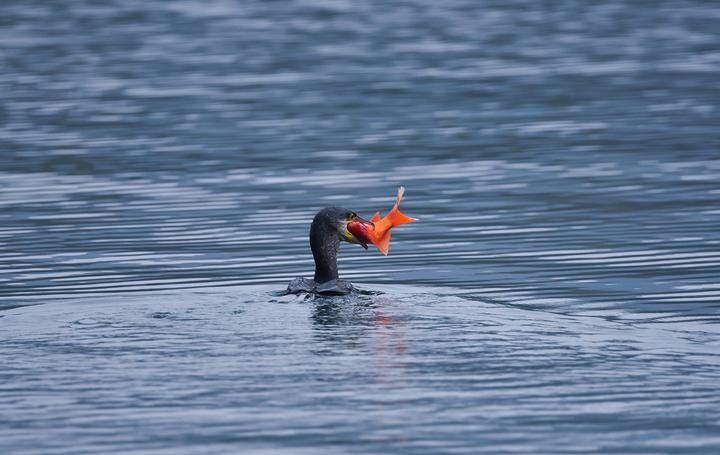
(332, 225)
(328, 229)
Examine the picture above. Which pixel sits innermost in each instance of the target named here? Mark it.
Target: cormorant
(328, 229)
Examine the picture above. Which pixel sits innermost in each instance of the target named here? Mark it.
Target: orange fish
(377, 231)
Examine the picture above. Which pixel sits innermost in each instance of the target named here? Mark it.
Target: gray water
(160, 163)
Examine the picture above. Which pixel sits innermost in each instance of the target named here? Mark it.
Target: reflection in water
(342, 321)
(348, 325)
(389, 347)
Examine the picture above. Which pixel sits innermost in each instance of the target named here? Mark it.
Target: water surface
(160, 163)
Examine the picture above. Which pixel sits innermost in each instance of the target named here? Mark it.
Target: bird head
(337, 219)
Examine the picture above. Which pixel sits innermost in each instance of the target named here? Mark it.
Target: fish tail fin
(384, 243)
(395, 216)
(401, 193)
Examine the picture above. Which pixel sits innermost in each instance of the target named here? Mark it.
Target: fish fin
(376, 217)
(395, 216)
(384, 243)
(401, 193)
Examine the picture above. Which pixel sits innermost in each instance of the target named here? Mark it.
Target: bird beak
(354, 229)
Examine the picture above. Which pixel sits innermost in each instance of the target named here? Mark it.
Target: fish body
(377, 231)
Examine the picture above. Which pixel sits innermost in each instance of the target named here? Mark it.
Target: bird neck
(324, 244)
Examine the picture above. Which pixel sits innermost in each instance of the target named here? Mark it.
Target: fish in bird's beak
(377, 230)
(347, 234)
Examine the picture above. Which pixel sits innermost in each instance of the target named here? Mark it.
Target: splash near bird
(377, 231)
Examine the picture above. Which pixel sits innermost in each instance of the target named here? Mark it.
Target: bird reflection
(354, 326)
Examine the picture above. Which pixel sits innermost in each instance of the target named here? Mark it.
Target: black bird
(328, 229)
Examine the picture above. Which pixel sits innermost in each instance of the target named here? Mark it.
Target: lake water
(160, 163)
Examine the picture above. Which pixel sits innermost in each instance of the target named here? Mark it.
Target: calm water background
(160, 162)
